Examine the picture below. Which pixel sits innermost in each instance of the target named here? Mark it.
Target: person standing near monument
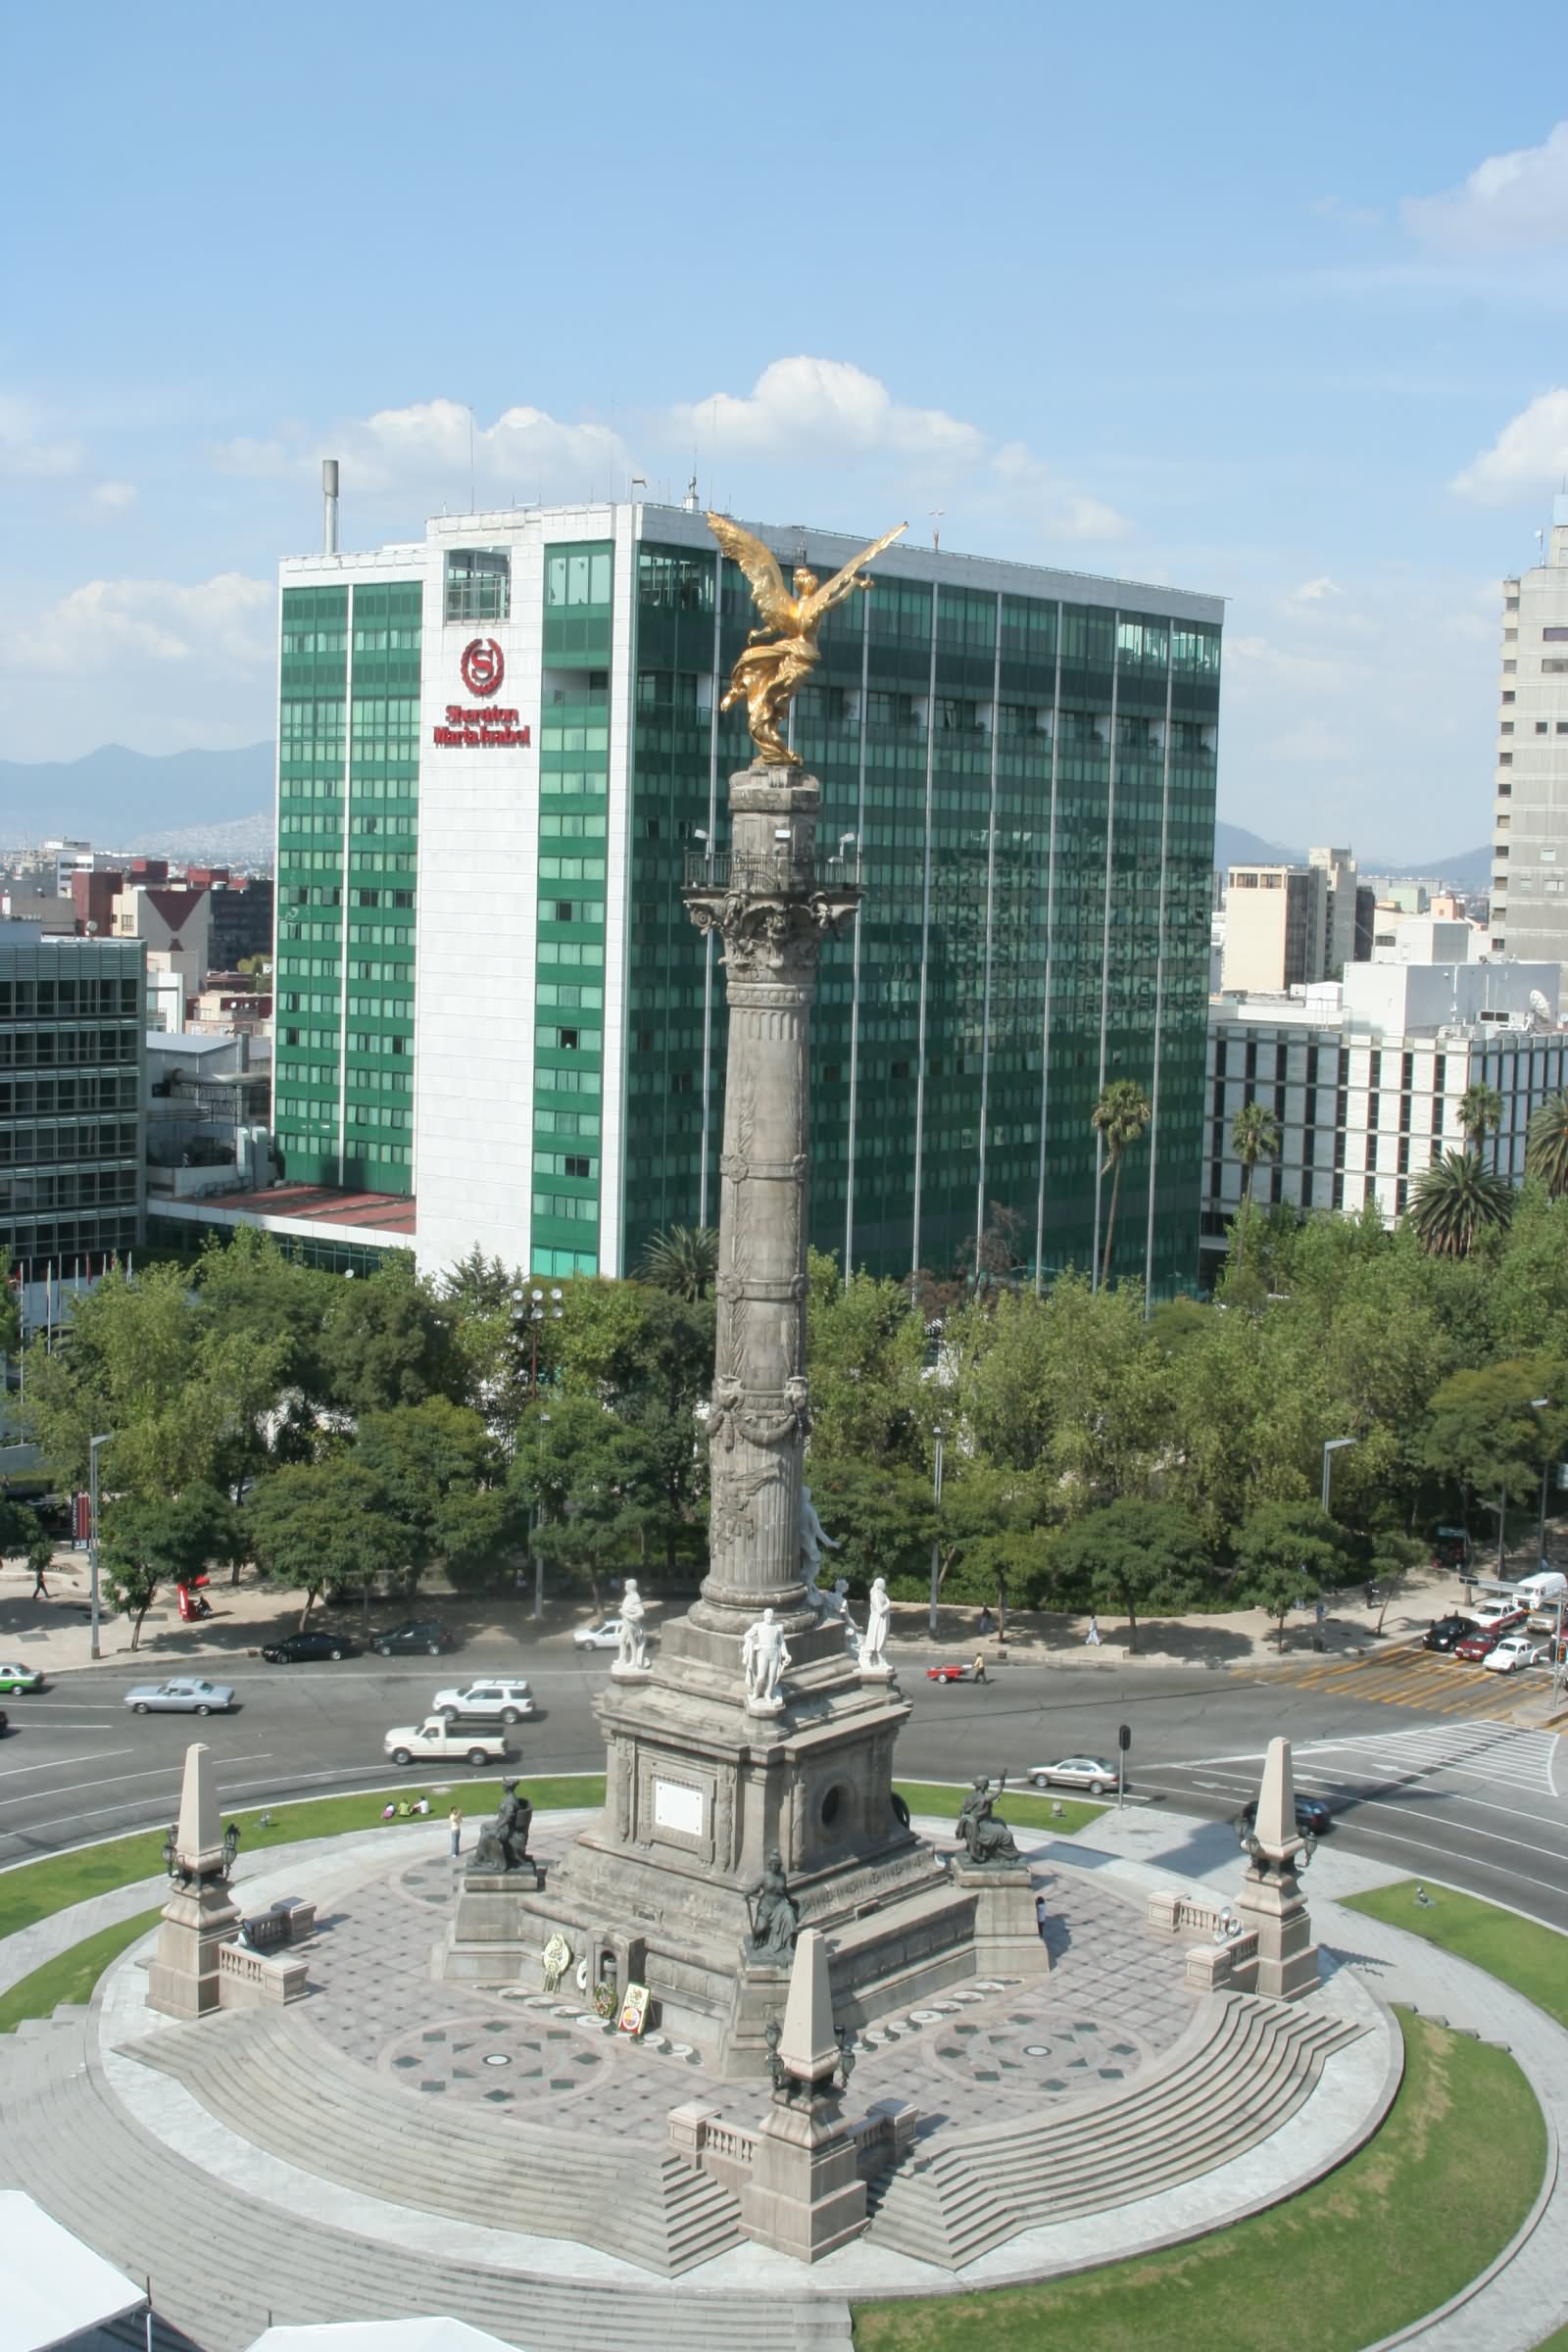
(455, 1829)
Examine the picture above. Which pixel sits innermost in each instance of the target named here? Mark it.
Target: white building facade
(1530, 824)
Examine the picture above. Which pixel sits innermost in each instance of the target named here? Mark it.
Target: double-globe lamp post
(93, 1444)
(535, 1309)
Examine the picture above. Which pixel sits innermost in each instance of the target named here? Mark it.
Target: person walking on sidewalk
(455, 1825)
(40, 1559)
(979, 1665)
(1092, 1637)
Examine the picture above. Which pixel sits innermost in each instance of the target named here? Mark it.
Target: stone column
(201, 1915)
(1271, 1904)
(765, 901)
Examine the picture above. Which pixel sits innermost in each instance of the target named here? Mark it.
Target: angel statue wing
(772, 599)
(821, 600)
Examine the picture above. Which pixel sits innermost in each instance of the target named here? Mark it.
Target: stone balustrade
(249, 1980)
(289, 1920)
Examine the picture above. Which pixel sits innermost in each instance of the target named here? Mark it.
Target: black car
(1312, 1816)
(295, 1647)
(1446, 1632)
(5, 1723)
(426, 1634)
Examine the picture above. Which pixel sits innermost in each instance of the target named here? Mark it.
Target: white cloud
(831, 412)
(225, 625)
(1313, 592)
(113, 498)
(27, 453)
(427, 448)
(1514, 200)
(1530, 455)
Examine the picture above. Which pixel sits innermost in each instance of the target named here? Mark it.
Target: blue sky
(1274, 309)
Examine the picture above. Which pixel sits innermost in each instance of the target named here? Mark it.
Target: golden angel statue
(779, 656)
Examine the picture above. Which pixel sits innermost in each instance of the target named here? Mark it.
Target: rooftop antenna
(330, 506)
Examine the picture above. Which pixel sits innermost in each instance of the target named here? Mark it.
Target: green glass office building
(496, 748)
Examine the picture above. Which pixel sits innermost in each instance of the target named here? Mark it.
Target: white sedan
(603, 1636)
(1075, 1772)
(1513, 1651)
(185, 1695)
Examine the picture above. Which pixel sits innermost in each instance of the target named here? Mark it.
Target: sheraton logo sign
(489, 727)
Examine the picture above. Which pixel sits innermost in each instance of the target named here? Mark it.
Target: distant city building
(1529, 906)
(1365, 1078)
(500, 745)
(1427, 939)
(1338, 868)
(72, 1115)
(209, 1116)
(1289, 926)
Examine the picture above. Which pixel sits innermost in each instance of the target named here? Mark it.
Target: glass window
(479, 583)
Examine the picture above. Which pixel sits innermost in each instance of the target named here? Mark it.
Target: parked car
(436, 1738)
(295, 1648)
(1500, 1616)
(1480, 1645)
(949, 1673)
(186, 1694)
(14, 1679)
(606, 1635)
(1513, 1651)
(1312, 1816)
(426, 1634)
(1444, 1631)
(492, 1702)
(1075, 1772)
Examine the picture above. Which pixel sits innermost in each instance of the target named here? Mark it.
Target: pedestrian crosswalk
(1499, 1755)
(1424, 1679)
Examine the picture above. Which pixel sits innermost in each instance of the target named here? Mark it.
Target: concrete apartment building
(73, 1112)
(498, 746)
(1365, 1077)
(1529, 822)
(1289, 926)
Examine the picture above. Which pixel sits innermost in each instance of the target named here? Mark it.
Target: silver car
(186, 1694)
(1075, 1772)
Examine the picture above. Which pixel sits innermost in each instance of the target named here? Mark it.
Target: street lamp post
(93, 1444)
(536, 1315)
(1331, 1447)
(1539, 1404)
(939, 1434)
(533, 1522)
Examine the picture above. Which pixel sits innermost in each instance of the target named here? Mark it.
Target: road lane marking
(51, 1763)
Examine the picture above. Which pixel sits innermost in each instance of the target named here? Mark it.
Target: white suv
(486, 1703)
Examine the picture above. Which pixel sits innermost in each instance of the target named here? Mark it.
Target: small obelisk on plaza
(749, 1774)
(1271, 1902)
(201, 1914)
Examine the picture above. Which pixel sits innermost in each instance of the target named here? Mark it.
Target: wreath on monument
(606, 2001)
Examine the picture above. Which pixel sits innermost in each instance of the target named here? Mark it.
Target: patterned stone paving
(977, 2053)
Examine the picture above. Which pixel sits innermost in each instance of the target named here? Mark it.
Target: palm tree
(1479, 1112)
(1255, 1136)
(1547, 1146)
(1454, 1202)
(684, 1258)
(1119, 1118)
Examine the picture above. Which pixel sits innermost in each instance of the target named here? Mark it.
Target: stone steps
(1232, 2082)
(223, 2265)
(273, 2081)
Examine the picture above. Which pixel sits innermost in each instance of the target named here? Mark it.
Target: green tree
(867, 1349)
(1120, 1118)
(443, 1476)
(10, 1307)
(1133, 1557)
(684, 1259)
(1456, 1200)
(592, 1482)
(1547, 1146)
(1480, 1113)
(1286, 1553)
(389, 1339)
(1486, 1435)
(1255, 1136)
(883, 1514)
(145, 1544)
(19, 1528)
(325, 1530)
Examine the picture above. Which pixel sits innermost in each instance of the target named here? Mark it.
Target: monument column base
(490, 1938)
(184, 1979)
(1007, 1941)
(805, 2195)
(1275, 1910)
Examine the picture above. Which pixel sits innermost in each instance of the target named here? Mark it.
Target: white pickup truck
(436, 1738)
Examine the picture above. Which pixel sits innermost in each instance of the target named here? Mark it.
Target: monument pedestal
(184, 1980)
(489, 1938)
(805, 2195)
(1272, 1905)
(1007, 1941)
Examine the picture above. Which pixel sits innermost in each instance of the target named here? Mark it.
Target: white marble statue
(875, 1640)
(631, 1657)
(765, 1654)
(813, 1535)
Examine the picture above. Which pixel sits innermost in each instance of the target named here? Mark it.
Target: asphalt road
(1474, 1804)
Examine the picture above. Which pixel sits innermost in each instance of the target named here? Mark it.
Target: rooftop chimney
(330, 506)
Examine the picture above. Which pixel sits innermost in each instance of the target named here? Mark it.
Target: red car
(1475, 1647)
(949, 1674)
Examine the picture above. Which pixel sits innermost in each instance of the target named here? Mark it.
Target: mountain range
(220, 804)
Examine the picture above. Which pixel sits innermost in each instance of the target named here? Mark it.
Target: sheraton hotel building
(497, 747)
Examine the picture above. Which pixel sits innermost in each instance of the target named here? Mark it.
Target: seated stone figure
(985, 1836)
(503, 1844)
(775, 1919)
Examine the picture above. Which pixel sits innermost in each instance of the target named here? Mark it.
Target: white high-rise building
(1530, 826)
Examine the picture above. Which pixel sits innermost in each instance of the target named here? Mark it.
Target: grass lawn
(38, 1888)
(1024, 1812)
(1408, 2222)
(71, 1974)
(1531, 1957)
